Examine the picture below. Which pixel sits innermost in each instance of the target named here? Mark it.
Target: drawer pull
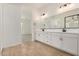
(61, 39)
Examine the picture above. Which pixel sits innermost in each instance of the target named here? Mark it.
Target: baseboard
(26, 37)
(11, 45)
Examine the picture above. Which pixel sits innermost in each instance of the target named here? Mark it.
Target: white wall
(26, 19)
(26, 26)
(71, 11)
(26, 22)
(10, 25)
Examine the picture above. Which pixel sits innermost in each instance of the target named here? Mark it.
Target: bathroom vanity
(68, 42)
(60, 31)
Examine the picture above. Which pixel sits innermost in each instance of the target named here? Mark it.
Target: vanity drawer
(70, 35)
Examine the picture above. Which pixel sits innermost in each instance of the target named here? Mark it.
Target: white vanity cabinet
(40, 36)
(47, 37)
(56, 41)
(69, 45)
(63, 41)
(43, 37)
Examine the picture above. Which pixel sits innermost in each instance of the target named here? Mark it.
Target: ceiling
(28, 9)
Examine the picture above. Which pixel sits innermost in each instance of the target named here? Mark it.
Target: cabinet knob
(38, 34)
(61, 39)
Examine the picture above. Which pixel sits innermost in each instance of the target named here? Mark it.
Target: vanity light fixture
(65, 5)
(43, 14)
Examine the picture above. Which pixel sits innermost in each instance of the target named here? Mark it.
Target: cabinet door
(47, 37)
(43, 37)
(40, 36)
(37, 36)
(70, 45)
(56, 42)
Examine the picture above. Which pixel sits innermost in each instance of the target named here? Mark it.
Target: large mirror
(72, 21)
(69, 20)
(54, 22)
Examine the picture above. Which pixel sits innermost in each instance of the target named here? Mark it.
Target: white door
(78, 47)
(1, 26)
(70, 45)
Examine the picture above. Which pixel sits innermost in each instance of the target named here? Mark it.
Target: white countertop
(69, 31)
